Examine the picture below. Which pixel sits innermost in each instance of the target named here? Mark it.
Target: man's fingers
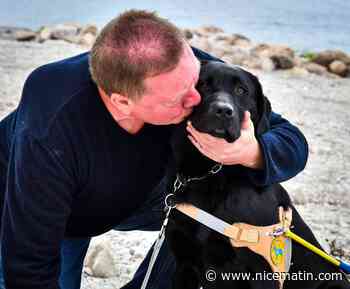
(202, 149)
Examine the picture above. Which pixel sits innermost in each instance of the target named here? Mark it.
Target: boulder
(67, 32)
(87, 40)
(7, 32)
(338, 67)
(219, 48)
(253, 62)
(208, 30)
(89, 29)
(12, 33)
(25, 35)
(232, 39)
(281, 56)
(240, 40)
(282, 62)
(44, 34)
(237, 56)
(267, 50)
(187, 33)
(267, 64)
(99, 259)
(315, 68)
(326, 57)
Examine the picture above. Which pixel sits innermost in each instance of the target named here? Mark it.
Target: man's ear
(262, 122)
(122, 103)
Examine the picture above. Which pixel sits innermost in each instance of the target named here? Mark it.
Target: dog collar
(182, 181)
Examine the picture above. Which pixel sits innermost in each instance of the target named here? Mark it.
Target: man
(87, 148)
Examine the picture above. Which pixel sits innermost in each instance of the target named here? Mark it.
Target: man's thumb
(246, 120)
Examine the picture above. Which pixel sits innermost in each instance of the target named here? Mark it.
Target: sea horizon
(304, 25)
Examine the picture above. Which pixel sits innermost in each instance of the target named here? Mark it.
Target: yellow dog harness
(267, 241)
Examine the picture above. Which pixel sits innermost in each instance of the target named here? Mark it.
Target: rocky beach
(310, 90)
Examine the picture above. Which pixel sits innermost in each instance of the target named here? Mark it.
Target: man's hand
(244, 151)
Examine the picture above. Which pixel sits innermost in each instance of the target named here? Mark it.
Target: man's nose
(192, 99)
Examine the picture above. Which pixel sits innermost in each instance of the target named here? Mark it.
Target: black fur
(226, 93)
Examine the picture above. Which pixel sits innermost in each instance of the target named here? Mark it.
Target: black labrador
(227, 92)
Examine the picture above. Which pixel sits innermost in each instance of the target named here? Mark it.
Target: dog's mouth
(228, 130)
(229, 133)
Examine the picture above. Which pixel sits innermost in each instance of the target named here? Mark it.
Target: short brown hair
(135, 45)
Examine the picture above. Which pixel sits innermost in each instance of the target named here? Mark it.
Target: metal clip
(278, 232)
(177, 184)
(170, 201)
(215, 169)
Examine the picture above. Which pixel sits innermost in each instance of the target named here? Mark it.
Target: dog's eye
(240, 90)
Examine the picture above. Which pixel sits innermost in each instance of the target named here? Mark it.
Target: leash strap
(156, 249)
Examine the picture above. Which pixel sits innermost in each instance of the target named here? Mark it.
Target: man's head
(145, 67)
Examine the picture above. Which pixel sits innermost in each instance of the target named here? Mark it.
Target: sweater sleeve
(37, 204)
(285, 152)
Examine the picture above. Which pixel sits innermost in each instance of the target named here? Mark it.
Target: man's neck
(128, 123)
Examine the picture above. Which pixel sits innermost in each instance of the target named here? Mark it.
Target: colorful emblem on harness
(277, 250)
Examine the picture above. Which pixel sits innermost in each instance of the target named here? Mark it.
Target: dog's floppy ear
(262, 122)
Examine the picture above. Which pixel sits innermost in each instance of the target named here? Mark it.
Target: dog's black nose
(223, 110)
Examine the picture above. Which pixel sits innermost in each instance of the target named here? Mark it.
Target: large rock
(87, 40)
(267, 64)
(89, 29)
(241, 41)
(44, 34)
(67, 32)
(232, 39)
(253, 62)
(315, 68)
(73, 33)
(99, 259)
(326, 57)
(266, 50)
(208, 30)
(237, 56)
(187, 33)
(338, 67)
(25, 35)
(12, 33)
(281, 56)
(282, 62)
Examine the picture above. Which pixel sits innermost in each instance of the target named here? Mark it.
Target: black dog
(226, 93)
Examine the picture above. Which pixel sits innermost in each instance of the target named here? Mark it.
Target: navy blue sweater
(68, 170)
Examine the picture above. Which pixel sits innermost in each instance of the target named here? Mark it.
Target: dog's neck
(189, 162)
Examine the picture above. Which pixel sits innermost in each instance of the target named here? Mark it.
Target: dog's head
(228, 91)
